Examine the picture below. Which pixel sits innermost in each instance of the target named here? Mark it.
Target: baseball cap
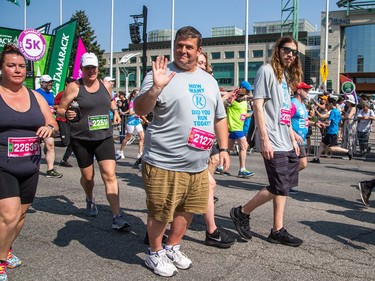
(303, 85)
(45, 78)
(89, 59)
(350, 99)
(246, 85)
(108, 79)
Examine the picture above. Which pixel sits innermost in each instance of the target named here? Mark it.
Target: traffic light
(135, 35)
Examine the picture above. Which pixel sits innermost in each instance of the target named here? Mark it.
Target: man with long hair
(273, 86)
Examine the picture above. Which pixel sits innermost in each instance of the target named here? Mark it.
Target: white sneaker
(161, 264)
(120, 155)
(139, 155)
(179, 259)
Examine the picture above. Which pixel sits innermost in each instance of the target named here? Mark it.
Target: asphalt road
(59, 242)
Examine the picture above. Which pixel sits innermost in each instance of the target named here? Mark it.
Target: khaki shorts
(168, 192)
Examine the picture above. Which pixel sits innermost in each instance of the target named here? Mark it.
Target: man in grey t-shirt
(187, 114)
(275, 139)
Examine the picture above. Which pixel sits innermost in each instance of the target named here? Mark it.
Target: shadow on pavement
(96, 233)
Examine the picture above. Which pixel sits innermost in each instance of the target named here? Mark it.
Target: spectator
(365, 119)
(329, 141)
(349, 124)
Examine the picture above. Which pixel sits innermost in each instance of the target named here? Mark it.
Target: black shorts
(330, 140)
(23, 187)
(302, 151)
(282, 171)
(214, 150)
(84, 150)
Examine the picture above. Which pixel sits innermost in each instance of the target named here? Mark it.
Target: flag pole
(326, 40)
(60, 12)
(172, 32)
(111, 42)
(24, 15)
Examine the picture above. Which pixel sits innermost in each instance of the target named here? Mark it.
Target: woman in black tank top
(25, 118)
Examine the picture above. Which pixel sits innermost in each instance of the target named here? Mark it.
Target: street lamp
(124, 60)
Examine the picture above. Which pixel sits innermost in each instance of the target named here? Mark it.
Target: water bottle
(74, 106)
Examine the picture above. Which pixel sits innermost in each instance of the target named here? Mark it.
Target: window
(215, 55)
(360, 63)
(257, 53)
(329, 46)
(229, 55)
(241, 54)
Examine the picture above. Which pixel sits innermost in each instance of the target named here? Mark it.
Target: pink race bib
(285, 116)
(23, 147)
(242, 117)
(200, 139)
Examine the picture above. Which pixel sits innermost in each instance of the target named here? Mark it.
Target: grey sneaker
(53, 174)
(179, 259)
(91, 209)
(119, 223)
(160, 264)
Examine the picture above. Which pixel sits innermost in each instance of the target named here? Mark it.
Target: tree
(87, 34)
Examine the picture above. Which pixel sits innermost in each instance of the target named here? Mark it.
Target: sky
(202, 14)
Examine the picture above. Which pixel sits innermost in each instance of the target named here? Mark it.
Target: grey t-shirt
(190, 100)
(277, 97)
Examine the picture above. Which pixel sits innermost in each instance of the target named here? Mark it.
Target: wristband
(223, 150)
(51, 127)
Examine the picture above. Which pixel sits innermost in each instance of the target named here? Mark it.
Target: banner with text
(62, 48)
(81, 49)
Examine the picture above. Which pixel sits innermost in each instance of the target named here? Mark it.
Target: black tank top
(19, 124)
(94, 110)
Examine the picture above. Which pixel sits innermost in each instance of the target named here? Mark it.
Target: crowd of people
(187, 127)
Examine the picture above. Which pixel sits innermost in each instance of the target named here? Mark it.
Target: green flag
(14, 2)
(27, 2)
(60, 56)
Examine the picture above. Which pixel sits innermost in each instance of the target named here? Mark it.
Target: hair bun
(10, 47)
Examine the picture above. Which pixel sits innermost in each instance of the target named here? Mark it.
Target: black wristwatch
(223, 149)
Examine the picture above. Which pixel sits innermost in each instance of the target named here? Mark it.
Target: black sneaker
(283, 237)
(365, 192)
(53, 174)
(350, 154)
(65, 164)
(241, 222)
(315, 160)
(147, 242)
(219, 239)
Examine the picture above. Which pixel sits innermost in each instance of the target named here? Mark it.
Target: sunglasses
(288, 50)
